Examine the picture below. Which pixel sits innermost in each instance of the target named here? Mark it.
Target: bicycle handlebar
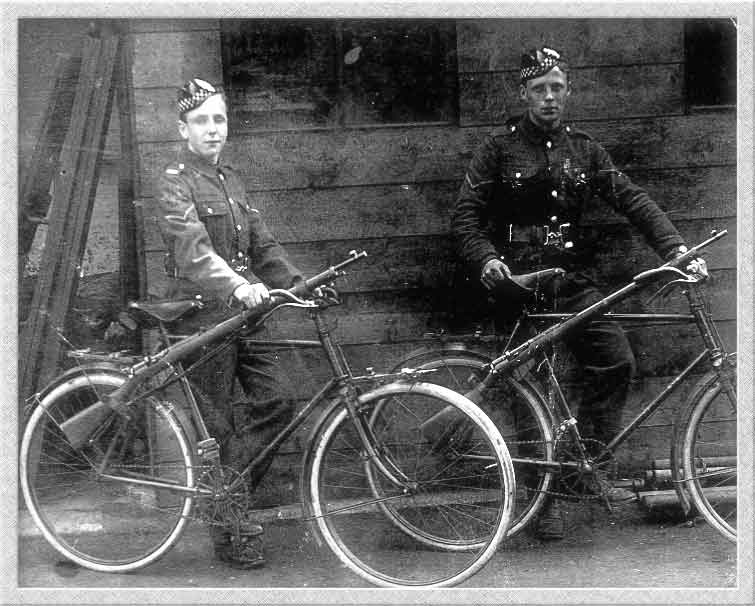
(681, 260)
(163, 359)
(294, 294)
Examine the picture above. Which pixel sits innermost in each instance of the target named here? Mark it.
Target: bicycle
(123, 443)
(519, 389)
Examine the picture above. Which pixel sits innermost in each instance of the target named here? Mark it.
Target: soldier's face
(546, 97)
(206, 128)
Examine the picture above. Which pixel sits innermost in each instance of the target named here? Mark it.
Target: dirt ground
(625, 549)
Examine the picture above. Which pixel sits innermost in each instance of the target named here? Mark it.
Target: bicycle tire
(444, 494)
(527, 431)
(709, 454)
(105, 524)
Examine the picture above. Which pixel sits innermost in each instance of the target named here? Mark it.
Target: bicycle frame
(340, 389)
(568, 322)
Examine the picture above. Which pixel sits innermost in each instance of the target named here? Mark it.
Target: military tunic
(522, 179)
(216, 241)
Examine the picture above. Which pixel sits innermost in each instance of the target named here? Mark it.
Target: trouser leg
(605, 356)
(264, 410)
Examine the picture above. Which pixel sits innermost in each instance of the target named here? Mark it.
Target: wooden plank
(316, 160)
(75, 189)
(392, 263)
(169, 58)
(38, 176)
(130, 238)
(684, 193)
(154, 26)
(602, 92)
(497, 44)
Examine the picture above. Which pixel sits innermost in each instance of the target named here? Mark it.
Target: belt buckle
(558, 238)
(240, 265)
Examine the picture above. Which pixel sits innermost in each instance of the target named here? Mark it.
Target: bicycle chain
(583, 498)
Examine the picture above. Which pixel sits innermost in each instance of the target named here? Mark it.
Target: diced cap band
(538, 62)
(193, 94)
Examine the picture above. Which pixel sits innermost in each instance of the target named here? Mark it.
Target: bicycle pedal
(209, 449)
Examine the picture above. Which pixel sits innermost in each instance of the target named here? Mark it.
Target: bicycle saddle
(166, 311)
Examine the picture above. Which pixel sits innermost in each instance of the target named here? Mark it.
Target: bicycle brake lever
(326, 295)
(658, 292)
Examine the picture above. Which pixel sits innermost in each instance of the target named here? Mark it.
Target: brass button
(554, 193)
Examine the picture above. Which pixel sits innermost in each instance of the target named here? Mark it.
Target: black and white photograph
(377, 303)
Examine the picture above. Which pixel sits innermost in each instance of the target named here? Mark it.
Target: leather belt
(546, 235)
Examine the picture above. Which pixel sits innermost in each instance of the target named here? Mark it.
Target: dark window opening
(711, 62)
(292, 73)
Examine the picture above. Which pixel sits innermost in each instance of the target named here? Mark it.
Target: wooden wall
(389, 190)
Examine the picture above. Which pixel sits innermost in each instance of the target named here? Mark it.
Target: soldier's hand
(698, 268)
(494, 271)
(252, 295)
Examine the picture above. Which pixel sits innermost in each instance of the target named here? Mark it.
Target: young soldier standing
(519, 210)
(220, 248)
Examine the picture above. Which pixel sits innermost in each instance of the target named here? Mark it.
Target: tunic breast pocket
(218, 221)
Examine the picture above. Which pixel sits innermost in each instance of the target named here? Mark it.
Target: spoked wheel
(423, 512)
(519, 414)
(709, 454)
(88, 485)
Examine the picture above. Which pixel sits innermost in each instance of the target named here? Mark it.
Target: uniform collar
(535, 134)
(189, 158)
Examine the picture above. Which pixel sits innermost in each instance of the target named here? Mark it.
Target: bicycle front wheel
(709, 454)
(102, 500)
(422, 512)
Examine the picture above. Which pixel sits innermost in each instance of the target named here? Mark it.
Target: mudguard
(679, 428)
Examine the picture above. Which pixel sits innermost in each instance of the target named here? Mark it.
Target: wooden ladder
(68, 157)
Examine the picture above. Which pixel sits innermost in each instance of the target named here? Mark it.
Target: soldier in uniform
(519, 210)
(221, 250)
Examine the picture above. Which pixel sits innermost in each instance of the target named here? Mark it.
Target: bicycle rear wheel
(447, 516)
(709, 455)
(91, 497)
(517, 411)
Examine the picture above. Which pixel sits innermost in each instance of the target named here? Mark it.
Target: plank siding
(389, 189)
(603, 92)
(497, 44)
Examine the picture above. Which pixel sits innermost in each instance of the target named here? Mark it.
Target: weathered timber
(496, 44)
(320, 159)
(154, 51)
(597, 92)
(162, 26)
(75, 188)
(130, 239)
(35, 198)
